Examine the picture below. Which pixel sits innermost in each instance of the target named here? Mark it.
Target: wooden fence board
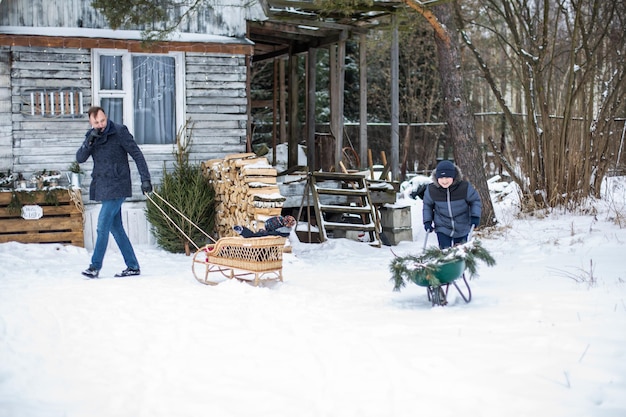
(62, 220)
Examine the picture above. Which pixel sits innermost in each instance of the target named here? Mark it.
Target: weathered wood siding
(216, 104)
(224, 17)
(6, 136)
(215, 99)
(215, 82)
(47, 142)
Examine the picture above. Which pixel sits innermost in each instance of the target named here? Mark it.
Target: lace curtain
(154, 96)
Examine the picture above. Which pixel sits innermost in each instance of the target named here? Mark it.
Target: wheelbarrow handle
(471, 232)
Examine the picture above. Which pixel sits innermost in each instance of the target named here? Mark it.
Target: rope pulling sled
(256, 259)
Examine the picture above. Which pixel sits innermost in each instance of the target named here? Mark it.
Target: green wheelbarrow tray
(445, 273)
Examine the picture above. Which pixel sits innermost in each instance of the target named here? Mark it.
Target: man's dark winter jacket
(111, 171)
(452, 208)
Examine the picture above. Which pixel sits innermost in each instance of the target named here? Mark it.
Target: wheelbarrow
(437, 278)
(444, 274)
(440, 269)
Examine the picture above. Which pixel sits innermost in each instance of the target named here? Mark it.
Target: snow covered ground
(545, 334)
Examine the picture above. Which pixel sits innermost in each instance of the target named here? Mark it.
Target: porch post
(362, 101)
(310, 108)
(395, 101)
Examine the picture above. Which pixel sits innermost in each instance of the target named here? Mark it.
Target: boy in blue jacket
(451, 205)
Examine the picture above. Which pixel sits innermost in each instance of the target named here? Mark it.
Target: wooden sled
(254, 259)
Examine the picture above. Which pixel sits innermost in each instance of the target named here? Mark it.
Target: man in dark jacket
(451, 205)
(109, 145)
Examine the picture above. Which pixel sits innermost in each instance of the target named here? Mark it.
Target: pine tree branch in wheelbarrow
(436, 267)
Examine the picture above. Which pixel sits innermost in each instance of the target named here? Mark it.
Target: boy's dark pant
(446, 241)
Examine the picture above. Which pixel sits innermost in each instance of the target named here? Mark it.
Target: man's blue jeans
(110, 221)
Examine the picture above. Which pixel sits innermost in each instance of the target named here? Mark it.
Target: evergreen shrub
(189, 192)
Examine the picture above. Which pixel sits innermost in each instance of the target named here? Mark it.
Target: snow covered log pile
(246, 192)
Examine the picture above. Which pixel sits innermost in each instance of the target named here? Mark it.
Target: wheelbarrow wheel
(437, 296)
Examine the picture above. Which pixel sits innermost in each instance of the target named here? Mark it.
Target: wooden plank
(61, 210)
(258, 172)
(74, 238)
(342, 191)
(45, 224)
(264, 180)
(337, 176)
(239, 156)
(272, 189)
(78, 58)
(345, 209)
(34, 197)
(250, 161)
(350, 226)
(62, 220)
(268, 212)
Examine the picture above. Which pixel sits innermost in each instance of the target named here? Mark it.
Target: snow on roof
(116, 34)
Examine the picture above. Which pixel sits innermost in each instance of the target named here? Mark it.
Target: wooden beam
(362, 102)
(292, 156)
(310, 108)
(337, 117)
(275, 96)
(283, 101)
(395, 101)
(130, 45)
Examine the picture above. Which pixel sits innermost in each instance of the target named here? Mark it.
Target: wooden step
(337, 176)
(347, 191)
(351, 188)
(370, 227)
(346, 209)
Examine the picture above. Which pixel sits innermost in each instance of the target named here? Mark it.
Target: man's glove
(93, 136)
(475, 221)
(428, 226)
(146, 187)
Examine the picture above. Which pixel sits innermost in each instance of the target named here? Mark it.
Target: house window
(142, 91)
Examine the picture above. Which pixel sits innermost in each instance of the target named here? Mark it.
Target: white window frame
(127, 92)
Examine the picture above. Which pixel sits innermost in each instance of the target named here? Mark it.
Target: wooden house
(58, 58)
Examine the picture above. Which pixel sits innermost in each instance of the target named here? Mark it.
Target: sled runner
(254, 259)
(257, 259)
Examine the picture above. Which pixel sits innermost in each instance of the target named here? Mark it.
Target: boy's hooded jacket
(452, 208)
(111, 171)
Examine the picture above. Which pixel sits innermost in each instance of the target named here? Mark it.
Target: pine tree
(189, 191)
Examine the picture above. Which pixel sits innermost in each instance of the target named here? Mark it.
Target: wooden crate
(62, 221)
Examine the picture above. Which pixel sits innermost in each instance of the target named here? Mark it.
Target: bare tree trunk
(461, 126)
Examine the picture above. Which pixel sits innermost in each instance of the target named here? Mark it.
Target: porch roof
(294, 26)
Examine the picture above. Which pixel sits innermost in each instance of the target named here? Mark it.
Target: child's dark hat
(445, 169)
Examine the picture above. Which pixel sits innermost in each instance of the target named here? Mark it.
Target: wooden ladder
(343, 202)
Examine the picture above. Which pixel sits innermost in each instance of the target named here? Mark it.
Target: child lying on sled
(274, 226)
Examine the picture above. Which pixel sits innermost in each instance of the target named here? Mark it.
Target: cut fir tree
(437, 266)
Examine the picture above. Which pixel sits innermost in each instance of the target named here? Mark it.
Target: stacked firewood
(246, 193)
